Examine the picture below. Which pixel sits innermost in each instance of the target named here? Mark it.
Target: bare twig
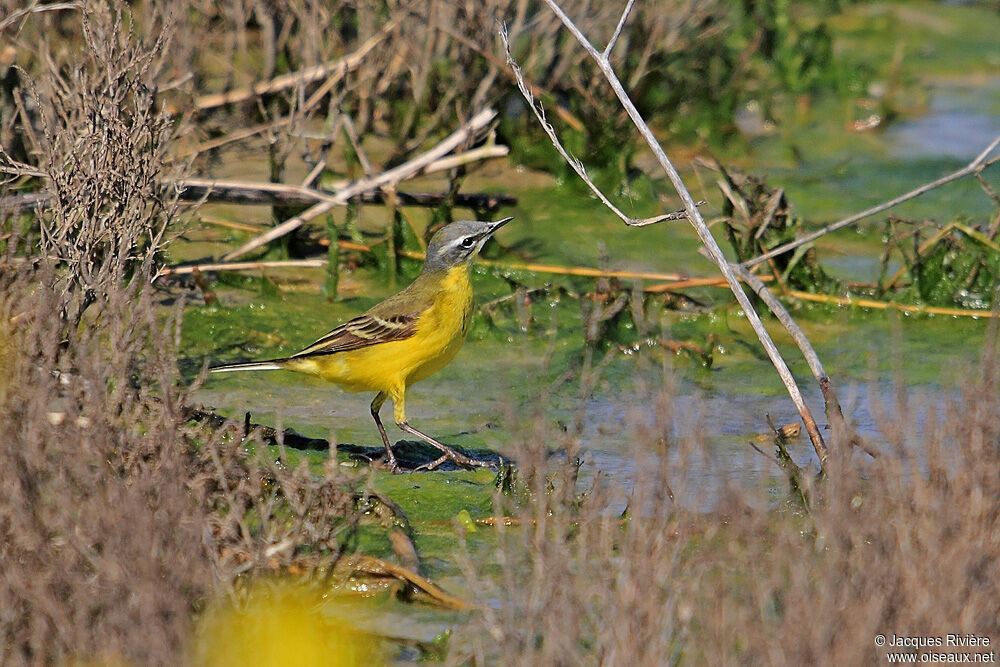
(772, 208)
(890, 305)
(238, 135)
(834, 413)
(582, 271)
(352, 135)
(565, 114)
(575, 163)
(618, 29)
(392, 176)
(693, 215)
(24, 200)
(534, 268)
(254, 192)
(12, 167)
(244, 266)
(36, 9)
(335, 70)
(465, 157)
(328, 142)
(372, 566)
(973, 167)
(780, 312)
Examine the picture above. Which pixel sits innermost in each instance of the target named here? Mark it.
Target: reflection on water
(711, 437)
(960, 122)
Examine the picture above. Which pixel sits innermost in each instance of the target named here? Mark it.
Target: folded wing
(362, 331)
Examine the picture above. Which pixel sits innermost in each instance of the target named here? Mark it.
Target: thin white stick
(970, 168)
(245, 266)
(618, 29)
(335, 70)
(572, 161)
(694, 216)
(392, 176)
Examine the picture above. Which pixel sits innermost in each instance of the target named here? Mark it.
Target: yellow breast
(440, 332)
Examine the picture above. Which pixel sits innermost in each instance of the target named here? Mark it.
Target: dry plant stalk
(116, 513)
(103, 146)
(602, 60)
(95, 521)
(906, 543)
(387, 179)
(975, 167)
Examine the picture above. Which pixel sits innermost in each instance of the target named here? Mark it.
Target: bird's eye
(468, 241)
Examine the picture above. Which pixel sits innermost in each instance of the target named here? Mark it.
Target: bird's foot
(391, 463)
(449, 453)
(459, 459)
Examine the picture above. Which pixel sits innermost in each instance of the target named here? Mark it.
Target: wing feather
(362, 331)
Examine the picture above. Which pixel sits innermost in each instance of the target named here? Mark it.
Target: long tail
(269, 365)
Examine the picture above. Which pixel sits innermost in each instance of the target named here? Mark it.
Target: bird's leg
(399, 412)
(376, 406)
(449, 453)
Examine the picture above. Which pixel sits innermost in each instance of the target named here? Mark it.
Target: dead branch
(245, 192)
(973, 167)
(575, 163)
(691, 208)
(377, 567)
(534, 268)
(335, 71)
(687, 283)
(244, 266)
(834, 413)
(393, 176)
(583, 271)
(450, 162)
(14, 16)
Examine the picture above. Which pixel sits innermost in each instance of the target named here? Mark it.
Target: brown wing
(362, 331)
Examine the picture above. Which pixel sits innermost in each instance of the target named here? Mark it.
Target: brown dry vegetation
(115, 512)
(119, 517)
(907, 543)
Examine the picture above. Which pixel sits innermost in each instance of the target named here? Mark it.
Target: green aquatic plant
(956, 264)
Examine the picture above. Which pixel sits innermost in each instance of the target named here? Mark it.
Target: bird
(402, 340)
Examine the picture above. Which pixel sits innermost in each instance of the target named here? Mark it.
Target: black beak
(500, 223)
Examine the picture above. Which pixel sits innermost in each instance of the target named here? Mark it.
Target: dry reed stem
(889, 305)
(378, 567)
(691, 208)
(393, 176)
(336, 70)
(680, 281)
(977, 164)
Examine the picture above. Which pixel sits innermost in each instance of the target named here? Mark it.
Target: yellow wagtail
(404, 339)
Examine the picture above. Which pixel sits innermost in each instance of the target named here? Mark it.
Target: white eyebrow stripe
(457, 243)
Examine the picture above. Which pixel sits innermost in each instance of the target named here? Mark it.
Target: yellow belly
(393, 366)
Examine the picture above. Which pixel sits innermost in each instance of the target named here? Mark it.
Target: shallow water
(961, 120)
(504, 382)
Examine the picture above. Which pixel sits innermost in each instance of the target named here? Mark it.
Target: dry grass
(119, 518)
(116, 514)
(908, 543)
(436, 68)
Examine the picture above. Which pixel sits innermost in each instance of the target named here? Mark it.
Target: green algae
(513, 368)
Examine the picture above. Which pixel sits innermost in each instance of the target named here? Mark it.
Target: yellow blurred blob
(281, 624)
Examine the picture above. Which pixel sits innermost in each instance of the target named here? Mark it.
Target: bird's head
(458, 243)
